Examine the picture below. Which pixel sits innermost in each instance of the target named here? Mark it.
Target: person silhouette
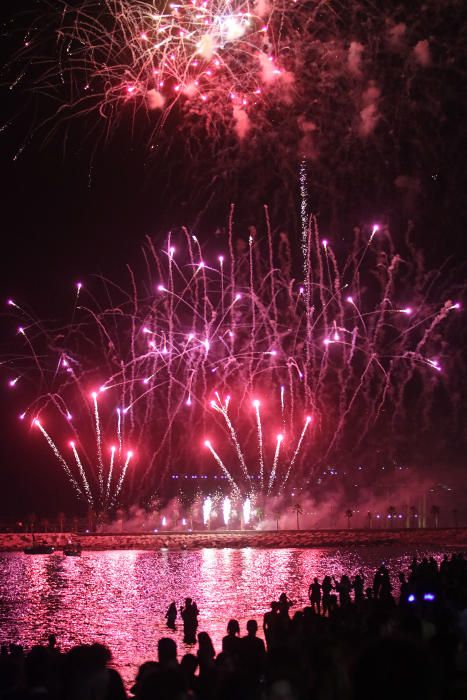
(188, 667)
(271, 624)
(343, 587)
(252, 653)
(167, 653)
(231, 642)
(314, 594)
(357, 585)
(189, 613)
(285, 604)
(171, 616)
(327, 587)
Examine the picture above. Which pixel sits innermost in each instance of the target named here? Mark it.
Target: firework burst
(240, 65)
(233, 352)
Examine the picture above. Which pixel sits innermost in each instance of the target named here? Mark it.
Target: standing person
(343, 587)
(189, 613)
(386, 586)
(252, 653)
(284, 605)
(171, 616)
(271, 624)
(358, 585)
(378, 582)
(314, 594)
(87, 674)
(327, 587)
(231, 642)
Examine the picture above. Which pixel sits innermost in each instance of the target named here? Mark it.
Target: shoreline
(238, 539)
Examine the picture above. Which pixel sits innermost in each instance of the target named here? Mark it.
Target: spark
(207, 508)
(226, 510)
(246, 511)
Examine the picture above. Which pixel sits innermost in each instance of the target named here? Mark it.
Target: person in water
(189, 613)
(171, 616)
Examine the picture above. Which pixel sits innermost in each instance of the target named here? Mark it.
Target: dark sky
(70, 210)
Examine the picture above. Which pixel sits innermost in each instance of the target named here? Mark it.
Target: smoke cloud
(422, 53)
(354, 58)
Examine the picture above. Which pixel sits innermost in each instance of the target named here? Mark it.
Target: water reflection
(120, 598)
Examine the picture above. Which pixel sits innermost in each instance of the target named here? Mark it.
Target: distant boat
(38, 547)
(72, 550)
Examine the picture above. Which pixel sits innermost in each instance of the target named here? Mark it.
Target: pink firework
(234, 350)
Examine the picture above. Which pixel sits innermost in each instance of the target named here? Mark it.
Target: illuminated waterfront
(119, 598)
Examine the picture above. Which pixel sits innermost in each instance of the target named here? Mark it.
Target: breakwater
(444, 537)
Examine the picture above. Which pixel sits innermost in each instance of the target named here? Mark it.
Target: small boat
(38, 547)
(72, 550)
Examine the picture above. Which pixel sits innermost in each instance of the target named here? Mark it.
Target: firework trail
(122, 477)
(256, 405)
(221, 464)
(109, 477)
(297, 449)
(59, 456)
(304, 221)
(280, 437)
(83, 474)
(165, 352)
(100, 465)
(223, 409)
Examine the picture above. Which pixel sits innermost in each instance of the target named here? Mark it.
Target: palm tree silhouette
(348, 515)
(277, 514)
(32, 519)
(61, 521)
(298, 510)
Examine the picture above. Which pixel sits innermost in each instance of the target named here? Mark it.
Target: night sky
(75, 204)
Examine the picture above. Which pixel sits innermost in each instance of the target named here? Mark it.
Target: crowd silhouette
(350, 643)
